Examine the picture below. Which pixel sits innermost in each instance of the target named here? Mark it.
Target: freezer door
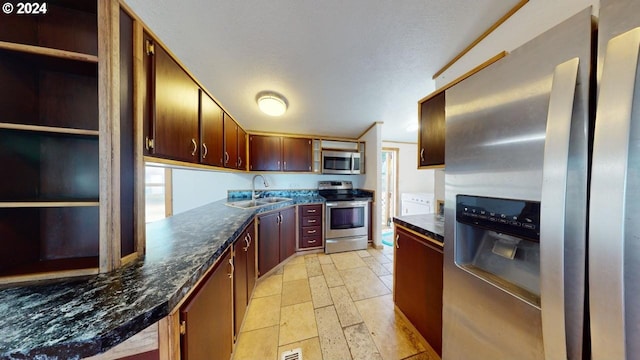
(614, 225)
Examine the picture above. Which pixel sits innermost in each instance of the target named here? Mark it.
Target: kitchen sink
(249, 204)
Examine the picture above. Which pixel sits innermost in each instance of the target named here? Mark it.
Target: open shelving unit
(49, 143)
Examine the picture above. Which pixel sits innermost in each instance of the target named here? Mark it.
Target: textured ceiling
(341, 64)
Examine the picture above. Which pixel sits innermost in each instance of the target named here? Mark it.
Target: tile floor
(337, 306)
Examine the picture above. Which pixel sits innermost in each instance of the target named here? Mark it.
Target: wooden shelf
(49, 129)
(48, 204)
(48, 269)
(44, 51)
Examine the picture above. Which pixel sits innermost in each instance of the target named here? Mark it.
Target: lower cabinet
(310, 227)
(206, 317)
(418, 284)
(244, 275)
(276, 238)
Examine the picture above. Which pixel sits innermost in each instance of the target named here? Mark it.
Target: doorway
(389, 192)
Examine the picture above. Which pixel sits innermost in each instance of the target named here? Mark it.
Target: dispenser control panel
(519, 218)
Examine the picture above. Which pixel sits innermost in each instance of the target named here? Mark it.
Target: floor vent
(295, 354)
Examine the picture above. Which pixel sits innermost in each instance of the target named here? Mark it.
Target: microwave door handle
(609, 184)
(553, 224)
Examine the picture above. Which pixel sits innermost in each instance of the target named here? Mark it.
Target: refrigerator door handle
(608, 190)
(553, 206)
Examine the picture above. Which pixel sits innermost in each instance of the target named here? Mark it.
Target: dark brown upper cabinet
(276, 153)
(175, 125)
(230, 142)
(242, 149)
(431, 137)
(211, 131)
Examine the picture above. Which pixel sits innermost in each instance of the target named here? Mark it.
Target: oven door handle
(347, 204)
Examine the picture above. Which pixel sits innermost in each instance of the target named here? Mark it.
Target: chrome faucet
(253, 185)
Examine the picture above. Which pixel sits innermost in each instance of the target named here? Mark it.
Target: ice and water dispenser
(498, 240)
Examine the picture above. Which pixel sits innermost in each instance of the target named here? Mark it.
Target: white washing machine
(417, 203)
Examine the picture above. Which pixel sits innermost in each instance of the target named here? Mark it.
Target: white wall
(373, 160)
(193, 188)
(410, 179)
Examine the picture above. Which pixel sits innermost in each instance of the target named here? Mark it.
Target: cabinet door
(176, 110)
(432, 131)
(296, 154)
(230, 142)
(211, 131)
(208, 318)
(242, 149)
(265, 153)
(268, 242)
(240, 299)
(287, 233)
(251, 260)
(418, 285)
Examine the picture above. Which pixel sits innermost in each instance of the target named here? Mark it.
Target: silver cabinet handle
(312, 231)
(422, 154)
(195, 147)
(397, 242)
(246, 241)
(205, 150)
(233, 269)
(226, 158)
(311, 241)
(285, 165)
(311, 210)
(553, 203)
(249, 236)
(609, 188)
(239, 161)
(312, 221)
(278, 164)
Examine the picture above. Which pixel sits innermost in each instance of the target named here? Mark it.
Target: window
(157, 193)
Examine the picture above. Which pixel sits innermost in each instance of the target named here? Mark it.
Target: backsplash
(246, 194)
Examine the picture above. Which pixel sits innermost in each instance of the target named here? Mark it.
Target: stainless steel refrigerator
(542, 197)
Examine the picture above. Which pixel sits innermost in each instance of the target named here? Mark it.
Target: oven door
(347, 219)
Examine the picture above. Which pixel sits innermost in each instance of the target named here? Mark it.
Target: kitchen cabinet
(277, 153)
(276, 238)
(244, 276)
(418, 283)
(242, 149)
(431, 137)
(311, 224)
(175, 124)
(211, 131)
(230, 142)
(206, 317)
(52, 135)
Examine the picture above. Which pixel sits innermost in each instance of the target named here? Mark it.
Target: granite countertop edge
(141, 272)
(426, 224)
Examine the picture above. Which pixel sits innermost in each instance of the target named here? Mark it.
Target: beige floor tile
(392, 336)
(378, 255)
(310, 349)
(345, 308)
(389, 266)
(362, 283)
(263, 312)
(313, 266)
(298, 259)
(388, 281)
(375, 266)
(347, 260)
(332, 340)
(360, 343)
(363, 253)
(271, 285)
(312, 255)
(324, 259)
(297, 323)
(279, 270)
(320, 292)
(295, 292)
(387, 250)
(295, 271)
(257, 344)
(332, 275)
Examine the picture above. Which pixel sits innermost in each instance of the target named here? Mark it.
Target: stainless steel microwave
(341, 162)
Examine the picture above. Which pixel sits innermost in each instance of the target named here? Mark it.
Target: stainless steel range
(347, 212)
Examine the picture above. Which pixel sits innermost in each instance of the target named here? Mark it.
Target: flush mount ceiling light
(271, 103)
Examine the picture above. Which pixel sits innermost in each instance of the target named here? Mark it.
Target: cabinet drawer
(312, 231)
(311, 241)
(312, 210)
(312, 221)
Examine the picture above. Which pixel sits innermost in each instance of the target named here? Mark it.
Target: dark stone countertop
(425, 224)
(79, 317)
